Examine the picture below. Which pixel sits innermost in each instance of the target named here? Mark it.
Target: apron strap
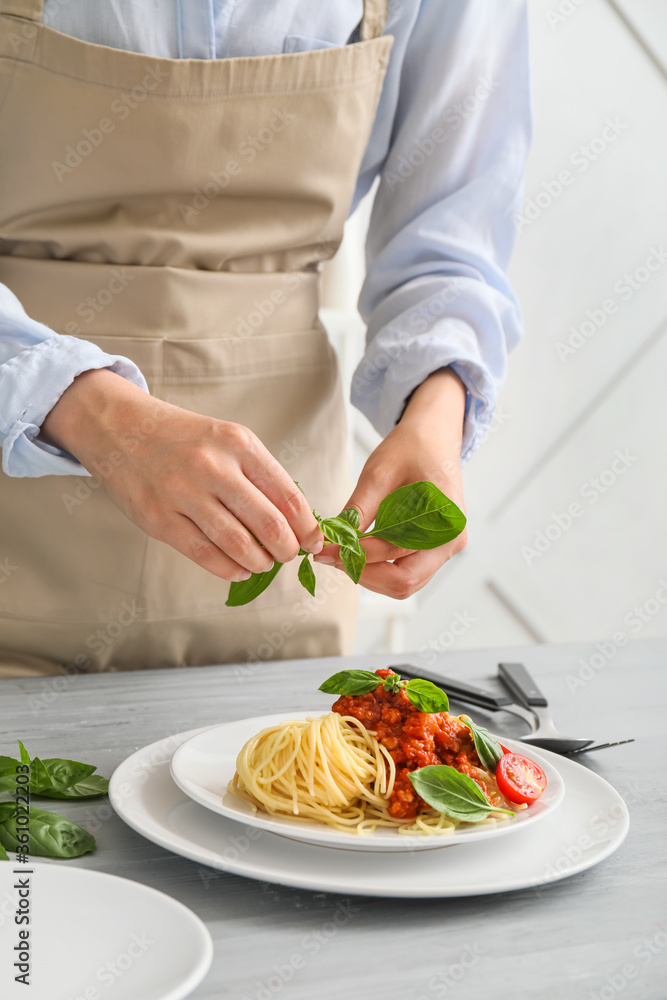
(28, 10)
(373, 21)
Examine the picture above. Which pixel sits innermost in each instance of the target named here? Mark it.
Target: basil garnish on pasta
(488, 748)
(425, 696)
(448, 791)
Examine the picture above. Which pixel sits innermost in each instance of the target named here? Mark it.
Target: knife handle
(521, 684)
(477, 696)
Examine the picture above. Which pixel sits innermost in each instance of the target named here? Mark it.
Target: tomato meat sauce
(413, 738)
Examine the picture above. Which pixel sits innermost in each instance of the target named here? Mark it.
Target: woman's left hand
(424, 445)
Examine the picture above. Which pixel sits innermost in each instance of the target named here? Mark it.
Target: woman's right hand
(202, 485)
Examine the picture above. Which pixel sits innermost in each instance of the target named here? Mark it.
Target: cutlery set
(523, 699)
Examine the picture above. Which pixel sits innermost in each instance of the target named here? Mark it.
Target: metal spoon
(519, 683)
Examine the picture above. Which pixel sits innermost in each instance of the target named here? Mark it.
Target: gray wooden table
(594, 936)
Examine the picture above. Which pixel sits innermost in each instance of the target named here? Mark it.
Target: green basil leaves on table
(456, 795)
(415, 516)
(50, 835)
(487, 746)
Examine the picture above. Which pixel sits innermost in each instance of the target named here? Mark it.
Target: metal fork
(518, 682)
(532, 706)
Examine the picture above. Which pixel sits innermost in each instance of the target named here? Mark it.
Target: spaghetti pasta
(334, 770)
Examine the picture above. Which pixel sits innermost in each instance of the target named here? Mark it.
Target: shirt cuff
(393, 368)
(33, 381)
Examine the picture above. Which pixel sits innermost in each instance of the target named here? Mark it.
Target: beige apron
(175, 212)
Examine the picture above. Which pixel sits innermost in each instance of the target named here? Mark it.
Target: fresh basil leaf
(58, 774)
(425, 696)
(8, 767)
(338, 531)
(353, 559)
(39, 776)
(393, 683)
(351, 682)
(245, 591)
(307, 575)
(3, 854)
(456, 795)
(488, 749)
(418, 516)
(88, 788)
(25, 756)
(351, 515)
(50, 836)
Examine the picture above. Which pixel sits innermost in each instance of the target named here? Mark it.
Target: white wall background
(564, 418)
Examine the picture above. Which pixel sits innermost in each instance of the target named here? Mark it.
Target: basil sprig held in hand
(415, 516)
(424, 695)
(456, 795)
(487, 746)
(50, 835)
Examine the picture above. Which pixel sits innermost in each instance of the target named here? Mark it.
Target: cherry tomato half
(519, 778)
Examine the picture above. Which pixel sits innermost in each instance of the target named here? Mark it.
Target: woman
(168, 189)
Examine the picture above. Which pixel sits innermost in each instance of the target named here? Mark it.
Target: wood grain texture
(563, 940)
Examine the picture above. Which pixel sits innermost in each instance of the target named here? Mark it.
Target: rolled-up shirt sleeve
(445, 215)
(36, 366)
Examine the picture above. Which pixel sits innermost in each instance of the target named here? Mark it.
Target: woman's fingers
(184, 536)
(274, 483)
(230, 536)
(263, 519)
(377, 550)
(406, 576)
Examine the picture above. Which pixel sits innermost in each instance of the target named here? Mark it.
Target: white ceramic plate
(97, 935)
(590, 824)
(204, 765)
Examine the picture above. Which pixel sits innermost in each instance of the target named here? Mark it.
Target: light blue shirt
(449, 143)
